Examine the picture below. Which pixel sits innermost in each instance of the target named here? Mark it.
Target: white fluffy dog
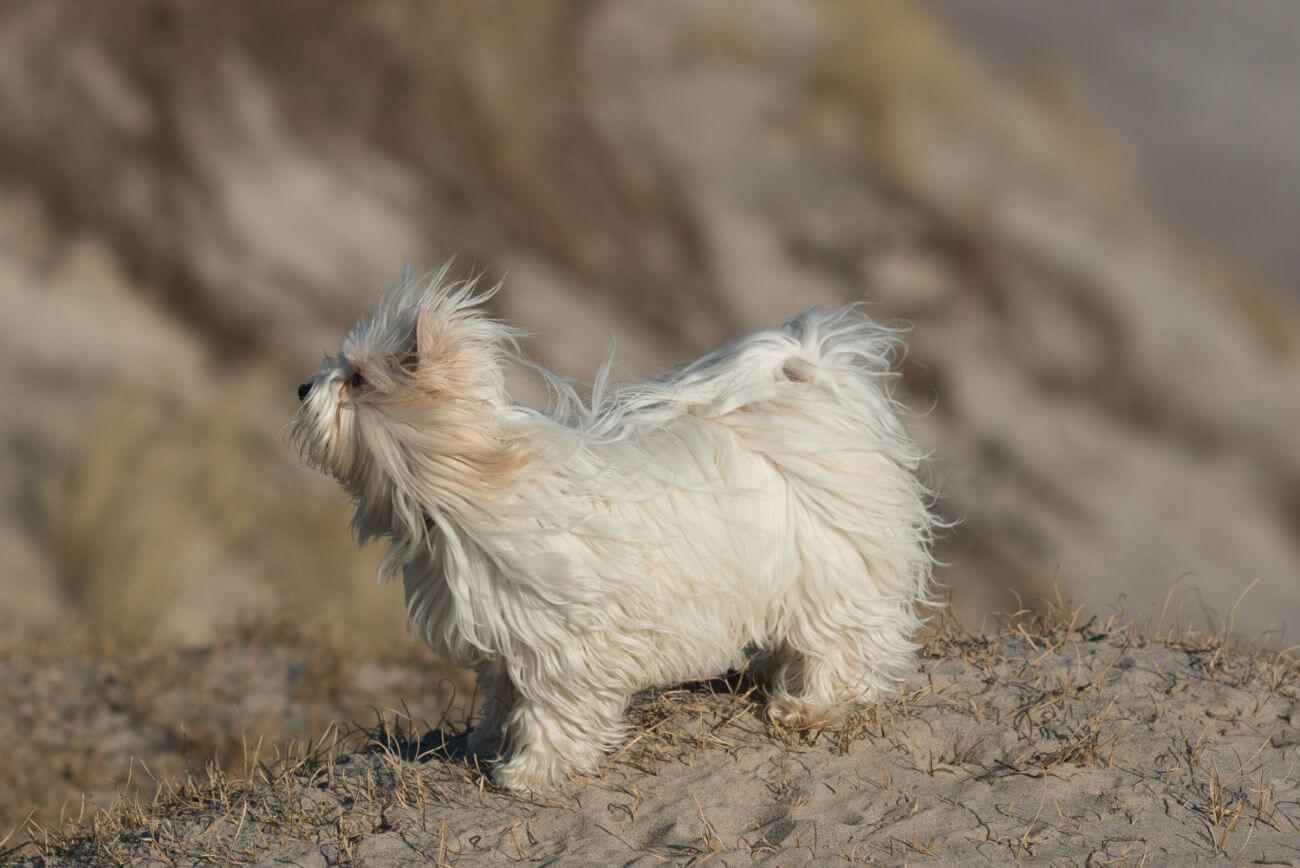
(761, 499)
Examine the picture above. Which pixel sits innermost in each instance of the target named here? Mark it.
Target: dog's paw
(795, 715)
(534, 772)
(517, 776)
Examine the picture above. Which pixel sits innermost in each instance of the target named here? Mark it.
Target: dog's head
(409, 412)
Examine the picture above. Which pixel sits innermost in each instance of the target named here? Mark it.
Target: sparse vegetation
(1051, 737)
(93, 718)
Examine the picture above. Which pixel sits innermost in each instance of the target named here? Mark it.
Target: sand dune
(1108, 404)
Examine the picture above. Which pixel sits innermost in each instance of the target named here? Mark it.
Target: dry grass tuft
(121, 723)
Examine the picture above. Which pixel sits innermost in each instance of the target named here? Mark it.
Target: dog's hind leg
(832, 658)
(551, 735)
(498, 698)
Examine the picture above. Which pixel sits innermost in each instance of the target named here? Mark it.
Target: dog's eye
(356, 381)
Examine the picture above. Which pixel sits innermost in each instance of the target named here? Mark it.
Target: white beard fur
(762, 498)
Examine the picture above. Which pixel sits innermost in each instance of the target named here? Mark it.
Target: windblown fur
(762, 499)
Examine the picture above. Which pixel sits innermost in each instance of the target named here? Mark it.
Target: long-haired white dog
(762, 499)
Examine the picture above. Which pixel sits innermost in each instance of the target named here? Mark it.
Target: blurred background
(1089, 212)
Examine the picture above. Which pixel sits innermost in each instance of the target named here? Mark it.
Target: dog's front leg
(498, 698)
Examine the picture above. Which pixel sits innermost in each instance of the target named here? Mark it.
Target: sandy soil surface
(1069, 744)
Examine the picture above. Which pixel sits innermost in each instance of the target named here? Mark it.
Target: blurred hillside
(1204, 95)
(195, 200)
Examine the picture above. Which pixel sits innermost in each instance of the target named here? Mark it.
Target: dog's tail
(840, 352)
(839, 347)
(853, 359)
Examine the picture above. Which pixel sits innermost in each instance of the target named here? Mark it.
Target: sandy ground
(1087, 745)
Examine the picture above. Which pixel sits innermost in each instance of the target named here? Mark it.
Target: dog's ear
(429, 342)
(426, 335)
(408, 354)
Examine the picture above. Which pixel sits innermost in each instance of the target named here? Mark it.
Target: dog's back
(767, 486)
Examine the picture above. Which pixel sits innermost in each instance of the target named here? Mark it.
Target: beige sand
(1088, 745)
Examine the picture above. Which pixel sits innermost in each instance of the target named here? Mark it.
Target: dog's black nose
(303, 391)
